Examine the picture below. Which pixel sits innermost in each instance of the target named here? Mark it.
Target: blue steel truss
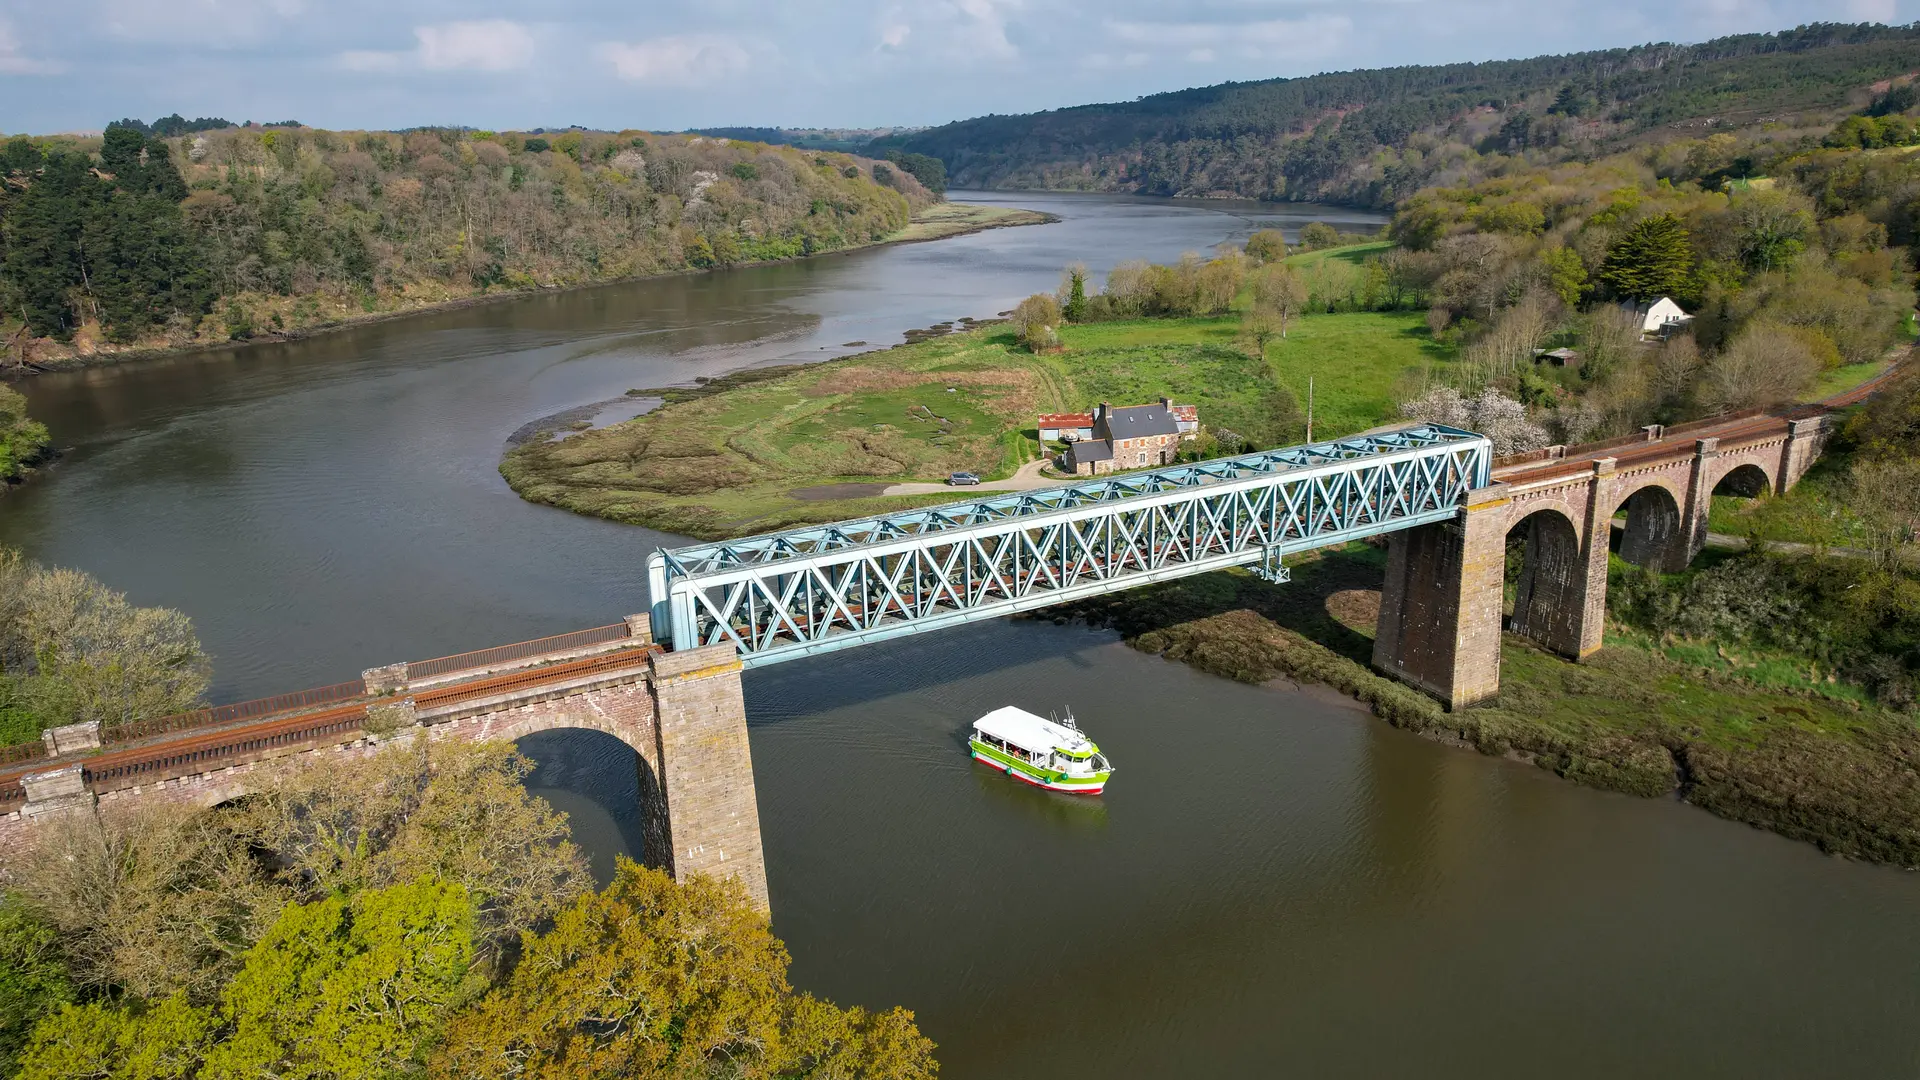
(811, 590)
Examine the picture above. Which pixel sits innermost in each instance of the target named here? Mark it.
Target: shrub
(1036, 322)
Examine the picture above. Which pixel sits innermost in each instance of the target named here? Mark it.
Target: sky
(665, 65)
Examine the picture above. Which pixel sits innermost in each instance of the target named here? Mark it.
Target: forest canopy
(184, 232)
(1373, 137)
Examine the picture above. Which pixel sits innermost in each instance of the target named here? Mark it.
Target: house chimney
(1166, 403)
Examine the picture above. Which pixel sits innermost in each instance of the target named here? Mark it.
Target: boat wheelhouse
(1045, 753)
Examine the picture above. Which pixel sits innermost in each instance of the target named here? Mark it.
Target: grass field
(768, 449)
(1844, 378)
(1337, 275)
(1814, 512)
(1354, 255)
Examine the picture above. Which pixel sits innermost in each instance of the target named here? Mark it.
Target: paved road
(1026, 478)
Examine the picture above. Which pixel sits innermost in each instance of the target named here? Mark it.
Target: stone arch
(573, 758)
(1549, 597)
(640, 742)
(1655, 534)
(1747, 480)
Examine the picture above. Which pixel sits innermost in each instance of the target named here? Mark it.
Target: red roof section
(1186, 412)
(1066, 419)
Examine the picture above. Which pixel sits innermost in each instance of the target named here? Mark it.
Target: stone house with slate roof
(1132, 437)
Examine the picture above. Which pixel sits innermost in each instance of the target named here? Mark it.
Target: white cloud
(681, 59)
(957, 31)
(985, 26)
(204, 22)
(483, 45)
(14, 59)
(1269, 39)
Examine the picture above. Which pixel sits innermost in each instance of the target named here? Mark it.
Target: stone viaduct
(1441, 617)
(1442, 607)
(681, 712)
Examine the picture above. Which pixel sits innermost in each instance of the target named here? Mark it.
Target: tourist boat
(1045, 753)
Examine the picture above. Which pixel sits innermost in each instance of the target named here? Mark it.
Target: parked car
(962, 479)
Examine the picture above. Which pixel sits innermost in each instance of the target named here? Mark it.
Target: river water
(1274, 884)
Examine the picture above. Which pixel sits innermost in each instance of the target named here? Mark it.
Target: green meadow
(773, 448)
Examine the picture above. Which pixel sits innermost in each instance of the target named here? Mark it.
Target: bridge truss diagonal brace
(817, 590)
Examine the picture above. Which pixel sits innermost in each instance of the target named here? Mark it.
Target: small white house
(1660, 318)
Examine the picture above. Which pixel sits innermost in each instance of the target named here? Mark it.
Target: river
(1274, 884)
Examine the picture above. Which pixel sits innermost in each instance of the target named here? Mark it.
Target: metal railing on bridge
(804, 591)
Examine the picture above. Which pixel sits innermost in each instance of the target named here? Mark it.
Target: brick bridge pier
(681, 712)
(1442, 606)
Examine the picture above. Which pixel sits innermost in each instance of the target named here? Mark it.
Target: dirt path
(1026, 478)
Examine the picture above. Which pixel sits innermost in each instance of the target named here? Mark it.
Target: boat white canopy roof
(1030, 732)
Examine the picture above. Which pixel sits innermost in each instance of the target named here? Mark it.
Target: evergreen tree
(1654, 259)
(121, 154)
(44, 265)
(79, 246)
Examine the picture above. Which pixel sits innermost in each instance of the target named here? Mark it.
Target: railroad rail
(189, 743)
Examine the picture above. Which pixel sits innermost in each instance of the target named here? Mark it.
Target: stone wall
(682, 713)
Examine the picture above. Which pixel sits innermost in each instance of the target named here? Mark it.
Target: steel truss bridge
(812, 590)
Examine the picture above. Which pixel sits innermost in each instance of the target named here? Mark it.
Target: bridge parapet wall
(696, 774)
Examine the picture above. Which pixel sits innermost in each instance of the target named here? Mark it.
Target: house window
(1141, 458)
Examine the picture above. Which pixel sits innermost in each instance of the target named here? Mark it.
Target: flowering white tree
(1501, 419)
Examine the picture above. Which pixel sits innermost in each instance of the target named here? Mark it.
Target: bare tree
(1885, 495)
(1762, 367)
(1129, 287)
(81, 652)
(170, 899)
(154, 904)
(1279, 291)
(1610, 341)
(1508, 345)
(1258, 327)
(1675, 367)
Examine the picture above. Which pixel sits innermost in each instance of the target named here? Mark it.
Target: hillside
(1373, 137)
(140, 241)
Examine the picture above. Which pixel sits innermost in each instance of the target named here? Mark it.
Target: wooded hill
(139, 240)
(1374, 137)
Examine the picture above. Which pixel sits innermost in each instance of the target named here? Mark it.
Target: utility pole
(1309, 408)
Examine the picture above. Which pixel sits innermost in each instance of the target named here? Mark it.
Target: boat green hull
(1050, 779)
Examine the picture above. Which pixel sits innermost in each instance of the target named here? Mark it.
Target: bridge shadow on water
(793, 690)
